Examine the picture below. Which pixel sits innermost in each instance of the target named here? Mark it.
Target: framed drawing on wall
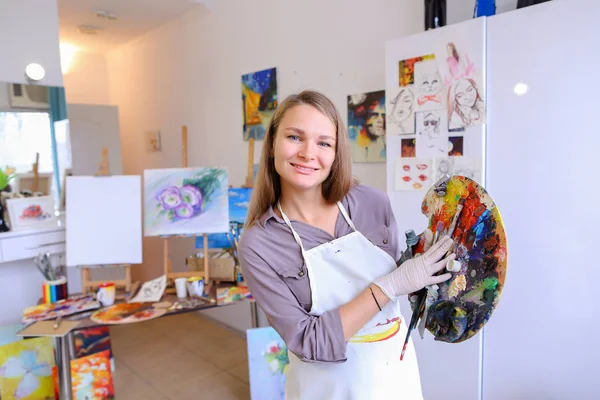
(31, 212)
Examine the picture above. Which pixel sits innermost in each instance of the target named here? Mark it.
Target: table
(66, 349)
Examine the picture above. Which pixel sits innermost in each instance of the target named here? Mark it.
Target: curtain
(58, 112)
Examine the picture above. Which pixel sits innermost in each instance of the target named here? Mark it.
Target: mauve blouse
(271, 259)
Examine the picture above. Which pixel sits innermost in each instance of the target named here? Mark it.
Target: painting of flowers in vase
(185, 201)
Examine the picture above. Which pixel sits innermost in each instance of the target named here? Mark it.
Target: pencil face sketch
(432, 134)
(401, 118)
(429, 86)
(465, 105)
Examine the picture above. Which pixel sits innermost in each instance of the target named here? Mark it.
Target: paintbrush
(421, 297)
(57, 323)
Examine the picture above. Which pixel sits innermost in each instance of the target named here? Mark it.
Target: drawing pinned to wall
(413, 174)
(408, 148)
(432, 133)
(180, 201)
(455, 146)
(406, 69)
(259, 98)
(153, 143)
(469, 167)
(26, 369)
(239, 200)
(428, 86)
(267, 363)
(463, 83)
(400, 110)
(366, 126)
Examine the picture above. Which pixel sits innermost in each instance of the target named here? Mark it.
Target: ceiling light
(105, 14)
(35, 72)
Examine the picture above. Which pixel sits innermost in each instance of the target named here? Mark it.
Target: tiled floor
(180, 357)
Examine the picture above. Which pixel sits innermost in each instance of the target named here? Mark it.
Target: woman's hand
(416, 273)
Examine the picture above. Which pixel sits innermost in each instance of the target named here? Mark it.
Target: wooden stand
(166, 260)
(250, 175)
(86, 274)
(36, 176)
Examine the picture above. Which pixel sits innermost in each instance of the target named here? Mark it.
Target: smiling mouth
(303, 168)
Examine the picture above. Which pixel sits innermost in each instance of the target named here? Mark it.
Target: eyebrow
(301, 132)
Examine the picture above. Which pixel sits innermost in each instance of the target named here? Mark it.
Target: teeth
(304, 169)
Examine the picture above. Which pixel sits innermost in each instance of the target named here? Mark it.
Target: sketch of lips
(406, 167)
(417, 185)
(406, 178)
(421, 166)
(423, 177)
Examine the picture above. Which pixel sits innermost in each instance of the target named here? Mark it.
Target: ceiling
(134, 18)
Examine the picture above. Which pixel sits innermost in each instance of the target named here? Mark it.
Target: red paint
(423, 177)
(406, 178)
(406, 167)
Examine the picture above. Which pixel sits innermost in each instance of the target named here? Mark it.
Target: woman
(319, 255)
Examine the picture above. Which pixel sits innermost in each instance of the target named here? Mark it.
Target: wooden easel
(250, 177)
(86, 274)
(166, 260)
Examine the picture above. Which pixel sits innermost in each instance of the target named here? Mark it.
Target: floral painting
(185, 201)
(29, 212)
(267, 363)
(26, 370)
(91, 377)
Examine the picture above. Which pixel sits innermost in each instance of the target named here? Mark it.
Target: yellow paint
(377, 337)
(251, 106)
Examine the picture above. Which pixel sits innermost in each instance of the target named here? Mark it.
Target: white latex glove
(416, 273)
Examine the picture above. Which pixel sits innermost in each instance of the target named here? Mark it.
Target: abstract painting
(455, 146)
(267, 363)
(413, 174)
(92, 378)
(366, 126)
(432, 133)
(400, 110)
(259, 98)
(185, 201)
(406, 69)
(428, 86)
(461, 306)
(239, 200)
(26, 369)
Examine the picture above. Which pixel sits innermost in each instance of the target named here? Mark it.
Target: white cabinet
(29, 246)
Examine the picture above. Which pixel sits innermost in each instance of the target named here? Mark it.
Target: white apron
(338, 271)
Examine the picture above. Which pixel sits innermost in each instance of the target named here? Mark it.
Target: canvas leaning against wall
(185, 201)
(259, 98)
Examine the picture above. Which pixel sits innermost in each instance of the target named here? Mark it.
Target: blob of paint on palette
(467, 300)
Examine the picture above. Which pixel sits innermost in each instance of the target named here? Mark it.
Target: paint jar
(53, 291)
(195, 286)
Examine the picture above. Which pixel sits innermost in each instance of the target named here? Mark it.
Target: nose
(307, 152)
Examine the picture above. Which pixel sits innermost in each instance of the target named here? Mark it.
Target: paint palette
(126, 313)
(62, 308)
(464, 303)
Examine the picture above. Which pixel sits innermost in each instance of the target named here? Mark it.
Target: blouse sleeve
(311, 338)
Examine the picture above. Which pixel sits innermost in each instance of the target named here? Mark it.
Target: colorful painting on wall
(185, 201)
(267, 363)
(91, 377)
(366, 126)
(463, 304)
(239, 200)
(259, 98)
(406, 69)
(26, 370)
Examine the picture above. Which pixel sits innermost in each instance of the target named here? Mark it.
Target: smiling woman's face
(304, 148)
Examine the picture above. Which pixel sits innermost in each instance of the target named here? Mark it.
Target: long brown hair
(267, 188)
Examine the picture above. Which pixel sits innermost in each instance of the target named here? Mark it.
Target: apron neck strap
(289, 224)
(345, 214)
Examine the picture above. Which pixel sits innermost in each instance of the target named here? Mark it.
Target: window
(22, 135)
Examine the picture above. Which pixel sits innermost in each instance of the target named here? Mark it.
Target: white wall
(29, 33)
(86, 81)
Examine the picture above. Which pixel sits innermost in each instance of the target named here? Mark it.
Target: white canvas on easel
(104, 220)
